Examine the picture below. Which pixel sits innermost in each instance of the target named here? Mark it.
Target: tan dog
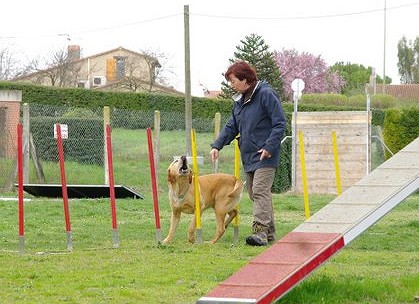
(218, 190)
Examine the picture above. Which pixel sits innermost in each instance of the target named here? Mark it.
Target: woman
(258, 119)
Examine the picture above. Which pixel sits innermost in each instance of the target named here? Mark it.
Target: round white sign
(297, 85)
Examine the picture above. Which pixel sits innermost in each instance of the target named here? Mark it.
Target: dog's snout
(184, 166)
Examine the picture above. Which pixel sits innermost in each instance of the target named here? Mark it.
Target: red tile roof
(401, 91)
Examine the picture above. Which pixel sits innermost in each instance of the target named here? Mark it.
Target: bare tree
(158, 65)
(133, 80)
(62, 72)
(8, 65)
(28, 68)
(145, 73)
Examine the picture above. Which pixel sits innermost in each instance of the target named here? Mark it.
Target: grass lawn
(380, 266)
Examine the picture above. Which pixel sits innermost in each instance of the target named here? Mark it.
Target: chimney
(73, 52)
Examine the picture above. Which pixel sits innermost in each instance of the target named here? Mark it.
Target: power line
(129, 24)
(101, 29)
(306, 17)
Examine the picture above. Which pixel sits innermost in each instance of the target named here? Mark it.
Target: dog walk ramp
(274, 272)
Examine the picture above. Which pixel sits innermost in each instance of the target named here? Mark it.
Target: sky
(358, 31)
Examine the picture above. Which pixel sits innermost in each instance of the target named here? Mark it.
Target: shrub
(400, 128)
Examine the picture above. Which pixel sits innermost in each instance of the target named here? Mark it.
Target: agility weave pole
(112, 187)
(237, 175)
(64, 187)
(304, 175)
(196, 190)
(154, 185)
(336, 159)
(58, 132)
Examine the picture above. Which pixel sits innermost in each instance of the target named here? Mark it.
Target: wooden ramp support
(274, 272)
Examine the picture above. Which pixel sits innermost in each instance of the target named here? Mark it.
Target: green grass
(381, 266)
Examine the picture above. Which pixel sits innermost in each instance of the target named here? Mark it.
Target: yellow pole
(236, 159)
(304, 175)
(237, 175)
(196, 189)
(335, 153)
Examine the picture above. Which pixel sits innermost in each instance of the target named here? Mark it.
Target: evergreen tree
(255, 51)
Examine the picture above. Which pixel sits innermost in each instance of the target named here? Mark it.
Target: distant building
(211, 94)
(118, 69)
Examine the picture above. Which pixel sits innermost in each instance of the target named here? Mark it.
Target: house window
(120, 67)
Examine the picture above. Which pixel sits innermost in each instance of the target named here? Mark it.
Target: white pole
(368, 134)
(384, 46)
(294, 136)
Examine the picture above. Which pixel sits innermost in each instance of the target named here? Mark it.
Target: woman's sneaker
(257, 239)
(259, 236)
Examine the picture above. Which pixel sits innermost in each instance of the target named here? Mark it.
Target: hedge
(399, 127)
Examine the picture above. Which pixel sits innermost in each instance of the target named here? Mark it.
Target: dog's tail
(238, 188)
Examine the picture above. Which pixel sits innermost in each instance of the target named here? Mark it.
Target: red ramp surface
(273, 272)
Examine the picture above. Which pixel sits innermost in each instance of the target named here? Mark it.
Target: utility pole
(385, 34)
(188, 99)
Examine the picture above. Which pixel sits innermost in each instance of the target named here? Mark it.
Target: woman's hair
(242, 70)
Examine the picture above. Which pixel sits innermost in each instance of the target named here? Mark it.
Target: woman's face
(238, 85)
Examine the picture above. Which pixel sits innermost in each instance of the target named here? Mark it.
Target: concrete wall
(353, 141)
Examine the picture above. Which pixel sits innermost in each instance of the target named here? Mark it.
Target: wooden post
(106, 121)
(26, 127)
(217, 123)
(38, 167)
(156, 141)
(188, 98)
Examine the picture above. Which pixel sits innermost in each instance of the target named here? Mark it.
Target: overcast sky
(348, 31)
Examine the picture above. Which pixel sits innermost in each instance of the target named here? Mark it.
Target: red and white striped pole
(154, 185)
(64, 187)
(21, 210)
(112, 187)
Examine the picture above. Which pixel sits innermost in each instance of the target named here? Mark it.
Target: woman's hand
(264, 154)
(214, 154)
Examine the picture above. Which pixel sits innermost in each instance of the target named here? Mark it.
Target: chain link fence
(84, 149)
